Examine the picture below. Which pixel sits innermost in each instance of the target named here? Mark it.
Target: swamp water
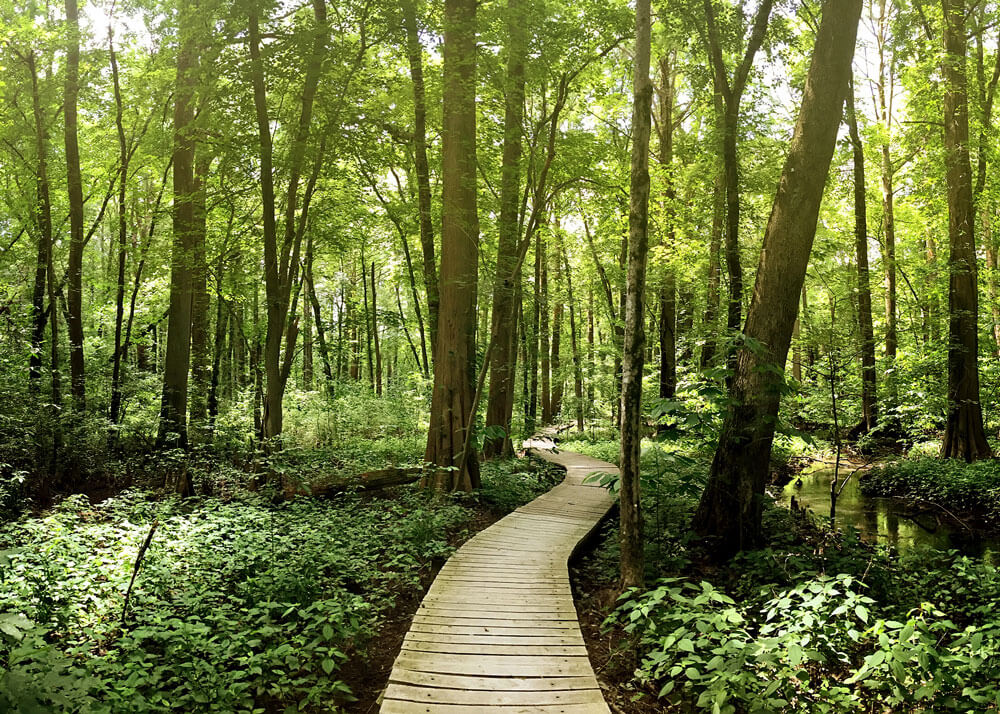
(884, 520)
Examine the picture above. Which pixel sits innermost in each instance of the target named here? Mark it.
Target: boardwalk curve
(497, 630)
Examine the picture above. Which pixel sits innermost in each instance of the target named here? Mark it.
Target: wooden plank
(495, 610)
(495, 665)
(488, 639)
(395, 706)
(407, 692)
(479, 649)
(524, 619)
(525, 631)
(492, 684)
(499, 604)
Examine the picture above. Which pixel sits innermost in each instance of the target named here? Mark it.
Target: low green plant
(241, 605)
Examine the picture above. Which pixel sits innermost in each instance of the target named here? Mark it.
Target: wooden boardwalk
(497, 630)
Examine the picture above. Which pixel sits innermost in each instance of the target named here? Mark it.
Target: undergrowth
(240, 605)
(817, 622)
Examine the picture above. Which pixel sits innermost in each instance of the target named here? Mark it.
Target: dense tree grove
(700, 224)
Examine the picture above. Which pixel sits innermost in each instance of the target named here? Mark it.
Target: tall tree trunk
(888, 211)
(56, 377)
(374, 333)
(451, 417)
(732, 94)
(201, 368)
(173, 410)
(74, 187)
(714, 271)
(591, 351)
(424, 365)
(414, 52)
(964, 435)
(369, 352)
(575, 344)
(555, 362)
(43, 220)
(992, 287)
(499, 407)
(668, 287)
(869, 399)
(731, 505)
(544, 348)
(324, 351)
(281, 262)
(123, 160)
(406, 331)
(632, 561)
(532, 336)
(796, 351)
(307, 341)
(218, 345)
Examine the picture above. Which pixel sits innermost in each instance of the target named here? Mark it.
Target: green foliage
(239, 606)
(817, 646)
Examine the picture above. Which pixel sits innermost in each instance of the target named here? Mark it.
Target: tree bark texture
(632, 561)
(964, 436)
(455, 356)
(731, 505)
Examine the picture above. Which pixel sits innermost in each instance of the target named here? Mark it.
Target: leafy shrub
(815, 646)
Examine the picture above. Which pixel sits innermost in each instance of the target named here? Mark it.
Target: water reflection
(882, 519)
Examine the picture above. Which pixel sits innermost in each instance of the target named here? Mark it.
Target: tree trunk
(964, 436)
(217, 348)
(575, 344)
(414, 53)
(281, 263)
(324, 351)
(173, 410)
(374, 333)
(591, 352)
(632, 561)
(43, 220)
(451, 417)
(532, 337)
(369, 352)
(731, 505)
(423, 365)
(668, 287)
(307, 341)
(869, 399)
(499, 407)
(732, 95)
(544, 348)
(123, 160)
(888, 213)
(992, 266)
(74, 187)
(714, 271)
(201, 368)
(555, 361)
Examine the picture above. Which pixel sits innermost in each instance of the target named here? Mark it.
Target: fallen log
(368, 481)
